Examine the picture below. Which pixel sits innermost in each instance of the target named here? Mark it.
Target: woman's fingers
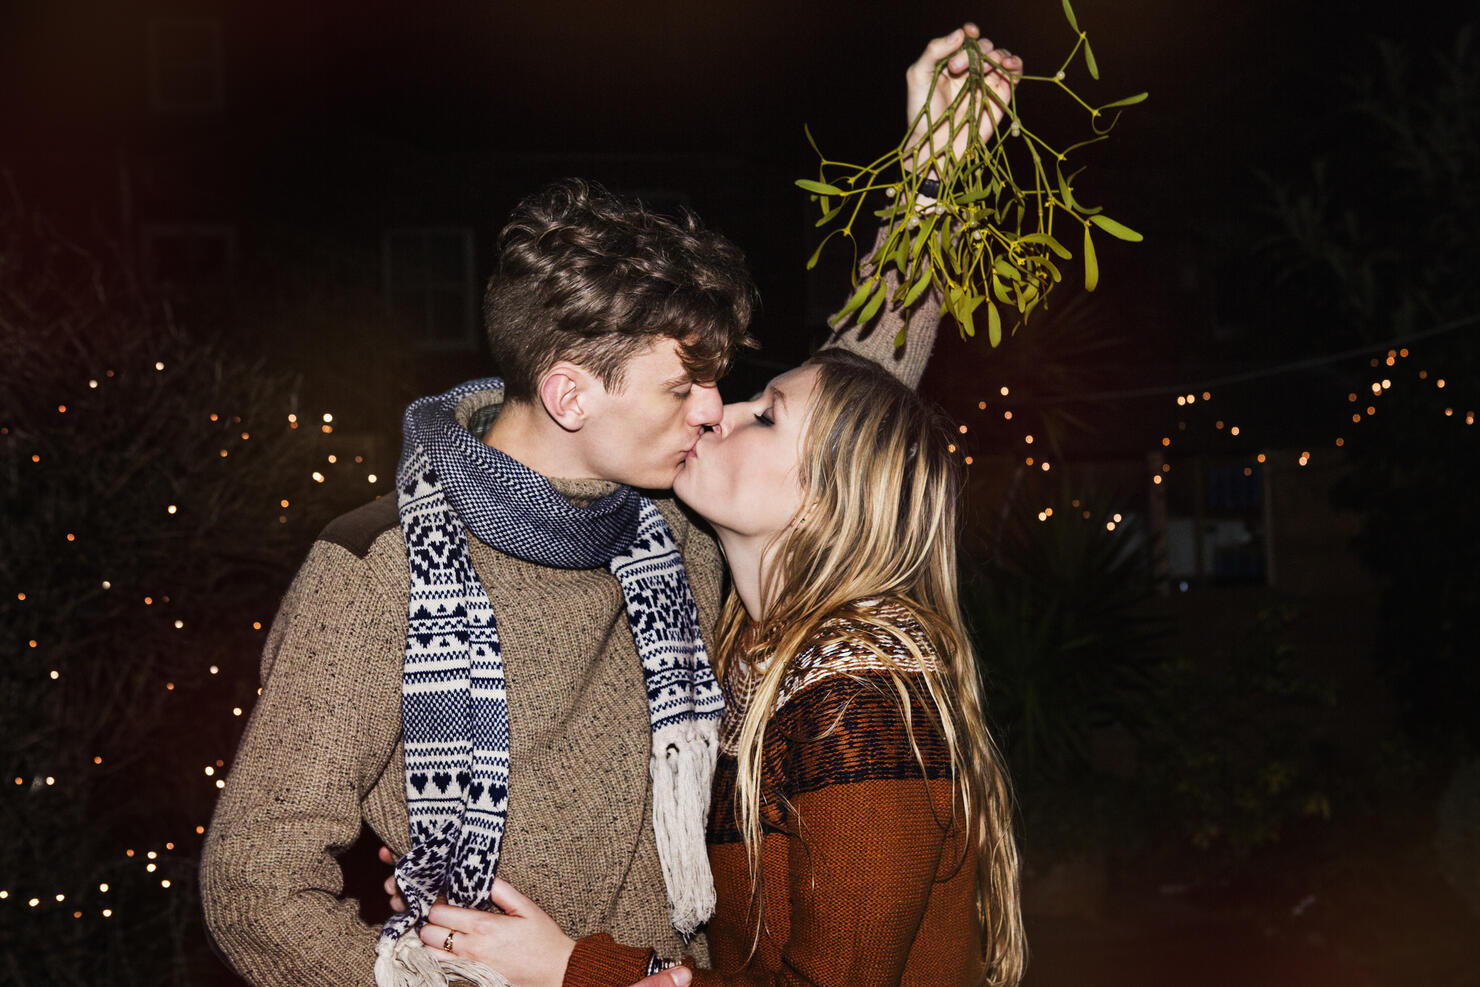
(938, 48)
(1005, 64)
(452, 917)
(920, 73)
(386, 857)
(439, 937)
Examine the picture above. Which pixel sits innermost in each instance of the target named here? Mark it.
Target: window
(1218, 533)
(186, 72)
(430, 286)
(189, 256)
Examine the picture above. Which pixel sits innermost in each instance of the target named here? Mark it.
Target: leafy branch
(988, 237)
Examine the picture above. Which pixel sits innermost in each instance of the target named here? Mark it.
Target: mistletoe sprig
(988, 238)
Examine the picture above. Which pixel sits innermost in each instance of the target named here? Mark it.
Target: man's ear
(567, 393)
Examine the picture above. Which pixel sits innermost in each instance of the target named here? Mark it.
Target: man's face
(641, 434)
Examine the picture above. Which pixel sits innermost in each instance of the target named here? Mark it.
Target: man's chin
(657, 480)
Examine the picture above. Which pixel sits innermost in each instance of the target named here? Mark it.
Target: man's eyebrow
(682, 380)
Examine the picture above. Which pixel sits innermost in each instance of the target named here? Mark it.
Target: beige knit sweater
(322, 749)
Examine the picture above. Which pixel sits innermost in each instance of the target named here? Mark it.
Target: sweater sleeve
(322, 732)
(875, 339)
(863, 850)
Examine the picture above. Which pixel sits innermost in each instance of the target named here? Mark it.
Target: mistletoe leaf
(947, 249)
(921, 238)
(812, 261)
(901, 256)
(1004, 267)
(994, 324)
(1064, 191)
(963, 316)
(1048, 242)
(1117, 230)
(811, 140)
(1128, 101)
(1091, 264)
(1069, 15)
(918, 288)
(1089, 60)
(855, 300)
(999, 288)
(821, 188)
(872, 308)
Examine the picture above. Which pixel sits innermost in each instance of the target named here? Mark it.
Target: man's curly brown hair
(591, 278)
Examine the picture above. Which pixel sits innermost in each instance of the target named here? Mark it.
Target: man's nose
(705, 407)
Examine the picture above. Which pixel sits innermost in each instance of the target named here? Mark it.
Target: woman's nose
(732, 413)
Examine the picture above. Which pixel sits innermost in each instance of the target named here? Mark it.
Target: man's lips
(692, 452)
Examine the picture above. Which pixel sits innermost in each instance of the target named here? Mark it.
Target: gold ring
(447, 943)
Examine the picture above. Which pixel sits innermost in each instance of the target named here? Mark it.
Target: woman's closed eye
(764, 417)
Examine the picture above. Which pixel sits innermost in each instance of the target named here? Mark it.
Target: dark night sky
(1235, 89)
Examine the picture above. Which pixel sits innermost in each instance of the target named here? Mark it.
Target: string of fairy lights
(1385, 366)
(152, 859)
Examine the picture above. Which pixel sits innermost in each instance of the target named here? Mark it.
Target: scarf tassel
(406, 962)
(682, 768)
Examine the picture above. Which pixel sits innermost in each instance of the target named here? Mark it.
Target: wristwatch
(657, 964)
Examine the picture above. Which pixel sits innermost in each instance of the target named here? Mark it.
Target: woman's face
(743, 477)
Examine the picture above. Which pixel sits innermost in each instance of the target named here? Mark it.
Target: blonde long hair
(881, 490)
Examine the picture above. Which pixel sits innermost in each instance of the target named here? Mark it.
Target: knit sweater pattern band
(867, 878)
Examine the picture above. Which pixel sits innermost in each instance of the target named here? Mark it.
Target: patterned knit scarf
(455, 717)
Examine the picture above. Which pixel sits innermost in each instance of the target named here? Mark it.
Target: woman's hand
(524, 944)
(474, 944)
(932, 133)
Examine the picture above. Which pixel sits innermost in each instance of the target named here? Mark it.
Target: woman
(861, 827)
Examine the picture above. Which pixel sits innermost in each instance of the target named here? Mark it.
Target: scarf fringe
(406, 962)
(682, 768)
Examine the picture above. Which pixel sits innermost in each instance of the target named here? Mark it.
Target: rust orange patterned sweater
(866, 874)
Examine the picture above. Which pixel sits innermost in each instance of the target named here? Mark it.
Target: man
(610, 326)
